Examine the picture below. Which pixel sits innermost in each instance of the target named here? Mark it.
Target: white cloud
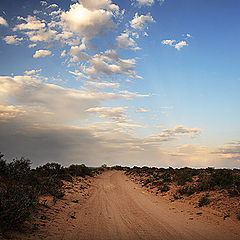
(51, 102)
(145, 2)
(99, 4)
(180, 45)
(87, 22)
(168, 42)
(12, 39)
(31, 23)
(230, 151)
(169, 134)
(32, 45)
(44, 35)
(10, 112)
(117, 114)
(140, 22)
(43, 3)
(42, 53)
(102, 84)
(175, 44)
(53, 6)
(63, 53)
(109, 63)
(32, 72)
(77, 74)
(3, 22)
(141, 110)
(125, 41)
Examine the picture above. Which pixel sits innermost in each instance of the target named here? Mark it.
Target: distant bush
(80, 170)
(184, 175)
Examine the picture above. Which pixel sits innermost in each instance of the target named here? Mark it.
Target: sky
(130, 82)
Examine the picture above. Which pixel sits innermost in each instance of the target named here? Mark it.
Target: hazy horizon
(131, 82)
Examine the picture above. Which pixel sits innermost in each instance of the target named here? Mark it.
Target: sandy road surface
(118, 209)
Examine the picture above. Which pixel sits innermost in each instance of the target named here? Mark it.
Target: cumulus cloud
(43, 35)
(139, 22)
(109, 63)
(30, 23)
(125, 41)
(87, 22)
(175, 44)
(3, 22)
(42, 53)
(13, 39)
(99, 4)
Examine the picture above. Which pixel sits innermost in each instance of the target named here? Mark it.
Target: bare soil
(114, 207)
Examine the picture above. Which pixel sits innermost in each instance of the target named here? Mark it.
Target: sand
(114, 207)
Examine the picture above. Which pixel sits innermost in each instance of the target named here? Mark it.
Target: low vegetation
(21, 186)
(189, 182)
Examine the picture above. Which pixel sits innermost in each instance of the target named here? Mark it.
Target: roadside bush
(165, 188)
(17, 202)
(222, 178)
(167, 177)
(204, 200)
(188, 190)
(20, 187)
(183, 175)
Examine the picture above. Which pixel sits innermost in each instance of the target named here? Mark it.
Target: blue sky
(141, 82)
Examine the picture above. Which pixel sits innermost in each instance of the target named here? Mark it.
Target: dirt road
(119, 209)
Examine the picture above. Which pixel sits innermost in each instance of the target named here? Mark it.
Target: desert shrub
(165, 188)
(50, 185)
(50, 169)
(167, 177)
(19, 169)
(183, 175)
(80, 170)
(3, 165)
(233, 191)
(222, 178)
(204, 200)
(188, 190)
(17, 202)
